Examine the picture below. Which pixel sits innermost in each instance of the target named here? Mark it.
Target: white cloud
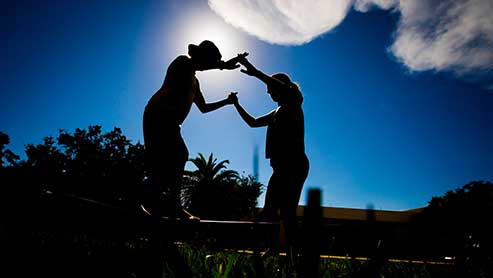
(283, 21)
(455, 35)
(366, 5)
(445, 35)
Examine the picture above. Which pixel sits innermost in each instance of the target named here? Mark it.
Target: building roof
(351, 214)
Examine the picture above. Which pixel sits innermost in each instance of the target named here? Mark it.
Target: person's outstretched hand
(232, 63)
(249, 68)
(233, 98)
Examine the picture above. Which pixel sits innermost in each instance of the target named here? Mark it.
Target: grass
(103, 257)
(236, 263)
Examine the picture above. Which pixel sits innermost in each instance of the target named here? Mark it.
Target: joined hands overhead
(249, 68)
(235, 63)
(233, 97)
(232, 63)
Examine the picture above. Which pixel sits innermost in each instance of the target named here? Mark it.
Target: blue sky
(383, 126)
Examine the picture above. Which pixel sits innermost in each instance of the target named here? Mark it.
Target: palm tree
(210, 171)
(204, 189)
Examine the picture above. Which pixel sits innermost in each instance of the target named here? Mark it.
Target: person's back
(175, 97)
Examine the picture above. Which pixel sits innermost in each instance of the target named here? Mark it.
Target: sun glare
(198, 27)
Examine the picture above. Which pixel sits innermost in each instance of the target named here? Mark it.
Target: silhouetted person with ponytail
(165, 151)
(285, 146)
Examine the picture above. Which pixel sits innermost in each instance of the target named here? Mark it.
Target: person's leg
(270, 211)
(162, 145)
(288, 211)
(294, 178)
(153, 163)
(272, 201)
(150, 189)
(175, 185)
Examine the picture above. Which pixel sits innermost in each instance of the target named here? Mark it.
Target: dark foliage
(110, 168)
(458, 224)
(7, 157)
(90, 163)
(214, 192)
(462, 213)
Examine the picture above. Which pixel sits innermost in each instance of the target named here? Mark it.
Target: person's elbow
(203, 109)
(254, 124)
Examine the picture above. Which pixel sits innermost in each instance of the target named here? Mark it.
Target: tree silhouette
(9, 169)
(459, 222)
(210, 171)
(46, 159)
(213, 191)
(107, 167)
(87, 162)
(7, 157)
(465, 210)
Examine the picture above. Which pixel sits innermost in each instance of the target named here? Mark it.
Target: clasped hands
(234, 64)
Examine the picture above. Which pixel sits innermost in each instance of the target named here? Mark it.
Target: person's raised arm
(211, 106)
(230, 64)
(253, 71)
(249, 119)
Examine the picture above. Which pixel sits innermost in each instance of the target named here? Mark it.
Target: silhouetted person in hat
(285, 146)
(165, 150)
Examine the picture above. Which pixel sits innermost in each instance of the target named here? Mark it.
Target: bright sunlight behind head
(197, 27)
(200, 26)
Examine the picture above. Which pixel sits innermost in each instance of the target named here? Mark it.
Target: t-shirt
(285, 133)
(179, 90)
